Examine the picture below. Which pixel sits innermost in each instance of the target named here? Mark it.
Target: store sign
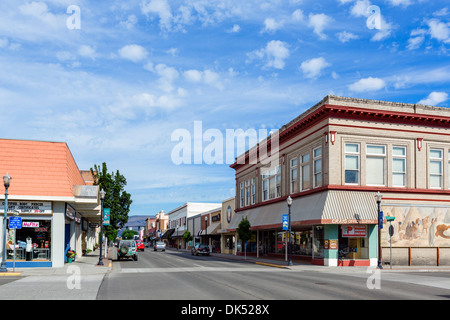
(27, 207)
(29, 224)
(70, 212)
(354, 231)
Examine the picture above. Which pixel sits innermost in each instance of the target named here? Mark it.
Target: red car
(140, 245)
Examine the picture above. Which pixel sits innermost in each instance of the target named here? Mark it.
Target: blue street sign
(106, 216)
(380, 220)
(285, 222)
(15, 222)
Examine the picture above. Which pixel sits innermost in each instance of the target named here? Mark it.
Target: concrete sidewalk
(79, 280)
(306, 265)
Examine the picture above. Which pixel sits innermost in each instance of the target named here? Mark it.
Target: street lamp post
(378, 197)
(6, 181)
(289, 203)
(102, 197)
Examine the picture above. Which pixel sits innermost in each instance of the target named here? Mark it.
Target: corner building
(57, 206)
(332, 161)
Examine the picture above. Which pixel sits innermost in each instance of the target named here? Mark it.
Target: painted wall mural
(417, 226)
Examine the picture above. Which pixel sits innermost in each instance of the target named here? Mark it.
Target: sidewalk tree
(129, 234)
(116, 198)
(187, 236)
(244, 232)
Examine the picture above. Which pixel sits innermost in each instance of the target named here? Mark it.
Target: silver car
(160, 245)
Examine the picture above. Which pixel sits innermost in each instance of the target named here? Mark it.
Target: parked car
(140, 245)
(160, 245)
(200, 249)
(126, 249)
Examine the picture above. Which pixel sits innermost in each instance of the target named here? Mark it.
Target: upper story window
(352, 163)
(398, 166)
(436, 163)
(317, 160)
(253, 191)
(293, 175)
(247, 192)
(305, 172)
(241, 195)
(375, 165)
(448, 169)
(271, 183)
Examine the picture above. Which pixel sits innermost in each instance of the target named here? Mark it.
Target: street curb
(271, 265)
(6, 274)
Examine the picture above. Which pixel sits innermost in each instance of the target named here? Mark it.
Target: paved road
(178, 275)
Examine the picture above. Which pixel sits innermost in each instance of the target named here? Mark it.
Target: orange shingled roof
(39, 168)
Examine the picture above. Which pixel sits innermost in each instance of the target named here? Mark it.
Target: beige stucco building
(332, 160)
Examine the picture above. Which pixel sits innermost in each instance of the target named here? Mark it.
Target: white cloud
(208, 77)
(297, 15)
(368, 84)
(434, 98)
(318, 22)
(275, 52)
(403, 3)
(162, 9)
(345, 36)
(167, 76)
(313, 67)
(193, 75)
(359, 9)
(236, 28)
(270, 25)
(439, 30)
(87, 52)
(133, 52)
(416, 39)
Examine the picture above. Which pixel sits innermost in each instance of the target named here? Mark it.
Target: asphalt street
(179, 275)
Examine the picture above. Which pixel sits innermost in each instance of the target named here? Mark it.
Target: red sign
(354, 231)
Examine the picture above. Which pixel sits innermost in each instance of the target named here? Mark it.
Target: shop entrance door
(66, 240)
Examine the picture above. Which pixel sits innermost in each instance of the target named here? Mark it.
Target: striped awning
(326, 207)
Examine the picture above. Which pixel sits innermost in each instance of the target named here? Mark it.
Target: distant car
(200, 249)
(140, 245)
(127, 248)
(160, 245)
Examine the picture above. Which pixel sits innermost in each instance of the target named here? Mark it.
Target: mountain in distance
(137, 221)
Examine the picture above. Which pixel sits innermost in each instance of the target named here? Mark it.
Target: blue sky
(117, 87)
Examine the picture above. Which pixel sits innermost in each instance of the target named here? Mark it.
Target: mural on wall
(417, 226)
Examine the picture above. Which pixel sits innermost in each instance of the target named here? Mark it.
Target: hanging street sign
(285, 222)
(106, 216)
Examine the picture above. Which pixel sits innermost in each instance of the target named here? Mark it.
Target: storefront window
(353, 242)
(281, 242)
(318, 242)
(32, 241)
(303, 243)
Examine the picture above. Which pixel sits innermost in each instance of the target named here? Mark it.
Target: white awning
(326, 207)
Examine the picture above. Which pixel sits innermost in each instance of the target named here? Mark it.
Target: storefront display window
(32, 241)
(303, 243)
(318, 242)
(353, 242)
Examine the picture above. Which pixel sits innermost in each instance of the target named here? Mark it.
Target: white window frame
(270, 176)
(373, 156)
(253, 190)
(317, 173)
(293, 177)
(241, 195)
(305, 164)
(441, 163)
(399, 157)
(358, 156)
